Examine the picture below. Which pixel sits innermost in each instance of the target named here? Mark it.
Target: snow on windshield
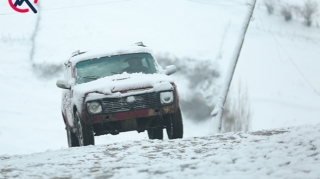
(93, 69)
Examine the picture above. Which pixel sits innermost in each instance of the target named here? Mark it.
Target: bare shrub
(201, 75)
(196, 107)
(296, 10)
(9, 39)
(195, 70)
(47, 71)
(237, 112)
(308, 11)
(286, 11)
(270, 6)
(201, 72)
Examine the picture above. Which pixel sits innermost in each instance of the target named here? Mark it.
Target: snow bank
(284, 153)
(30, 111)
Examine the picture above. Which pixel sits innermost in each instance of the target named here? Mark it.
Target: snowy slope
(282, 72)
(286, 153)
(30, 119)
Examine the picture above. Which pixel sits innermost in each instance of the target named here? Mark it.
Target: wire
(277, 43)
(68, 7)
(216, 4)
(290, 59)
(7, 13)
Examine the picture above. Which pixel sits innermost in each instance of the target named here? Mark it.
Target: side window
(144, 62)
(67, 74)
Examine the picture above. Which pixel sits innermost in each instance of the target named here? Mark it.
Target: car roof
(97, 53)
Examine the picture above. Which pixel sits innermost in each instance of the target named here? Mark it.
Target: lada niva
(113, 91)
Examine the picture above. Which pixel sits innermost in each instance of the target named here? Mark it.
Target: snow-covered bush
(270, 6)
(203, 89)
(286, 11)
(47, 70)
(200, 72)
(196, 107)
(197, 103)
(308, 11)
(292, 10)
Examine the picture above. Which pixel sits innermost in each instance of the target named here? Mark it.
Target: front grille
(134, 102)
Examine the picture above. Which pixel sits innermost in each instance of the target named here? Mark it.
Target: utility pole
(218, 109)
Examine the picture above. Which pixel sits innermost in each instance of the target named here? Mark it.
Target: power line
(7, 13)
(217, 4)
(290, 59)
(76, 6)
(84, 5)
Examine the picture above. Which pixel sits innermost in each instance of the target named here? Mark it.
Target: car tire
(72, 138)
(156, 133)
(174, 125)
(84, 132)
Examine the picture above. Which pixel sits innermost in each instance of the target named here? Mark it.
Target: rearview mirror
(170, 69)
(63, 84)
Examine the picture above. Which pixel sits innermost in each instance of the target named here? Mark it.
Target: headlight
(166, 97)
(94, 107)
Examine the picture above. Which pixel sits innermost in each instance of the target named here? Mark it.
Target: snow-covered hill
(285, 153)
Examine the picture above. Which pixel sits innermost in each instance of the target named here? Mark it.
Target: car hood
(123, 85)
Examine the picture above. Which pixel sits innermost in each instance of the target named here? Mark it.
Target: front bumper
(131, 107)
(134, 114)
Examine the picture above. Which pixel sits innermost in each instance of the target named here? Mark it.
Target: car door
(67, 97)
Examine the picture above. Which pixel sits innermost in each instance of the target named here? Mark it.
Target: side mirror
(170, 69)
(63, 84)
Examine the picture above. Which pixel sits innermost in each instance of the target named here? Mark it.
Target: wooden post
(218, 110)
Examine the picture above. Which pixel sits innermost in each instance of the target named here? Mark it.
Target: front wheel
(72, 138)
(174, 125)
(84, 132)
(156, 133)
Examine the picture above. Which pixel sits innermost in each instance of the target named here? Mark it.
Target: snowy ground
(280, 96)
(286, 153)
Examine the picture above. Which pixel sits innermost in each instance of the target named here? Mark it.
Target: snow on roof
(98, 53)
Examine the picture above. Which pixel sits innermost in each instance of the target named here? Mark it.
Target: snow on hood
(112, 86)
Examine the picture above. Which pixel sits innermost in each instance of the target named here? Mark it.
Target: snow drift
(284, 153)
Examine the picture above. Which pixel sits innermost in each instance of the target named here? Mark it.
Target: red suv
(108, 92)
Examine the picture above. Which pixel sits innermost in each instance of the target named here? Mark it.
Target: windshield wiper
(92, 77)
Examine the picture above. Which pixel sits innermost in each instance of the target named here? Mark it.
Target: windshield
(107, 66)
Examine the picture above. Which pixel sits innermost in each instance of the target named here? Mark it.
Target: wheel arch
(64, 119)
(74, 109)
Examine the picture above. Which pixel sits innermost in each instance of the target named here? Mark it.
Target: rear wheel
(72, 138)
(156, 133)
(174, 125)
(84, 132)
